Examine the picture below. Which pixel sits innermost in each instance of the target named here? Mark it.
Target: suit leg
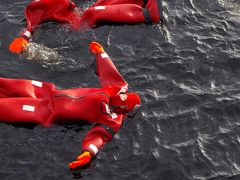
(25, 110)
(16, 88)
(123, 13)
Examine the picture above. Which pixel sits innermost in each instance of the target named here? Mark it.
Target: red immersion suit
(119, 11)
(40, 102)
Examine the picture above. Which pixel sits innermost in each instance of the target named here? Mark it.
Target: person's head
(125, 102)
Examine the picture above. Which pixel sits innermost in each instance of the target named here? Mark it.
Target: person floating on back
(65, 11)
(40, 102)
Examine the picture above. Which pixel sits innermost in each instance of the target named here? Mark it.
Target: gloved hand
(18, 45)
(83, 159)
(95, 47)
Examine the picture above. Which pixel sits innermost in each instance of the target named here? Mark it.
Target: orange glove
(83, 159)
(96, 47)
(18, 45)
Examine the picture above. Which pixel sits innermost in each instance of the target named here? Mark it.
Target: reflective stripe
(123, 90)
(104, 55)
(37, 83)
(113, 115)
(107, 109)
(99, 7)
(28, 108)
(27, 33)
(94, 148)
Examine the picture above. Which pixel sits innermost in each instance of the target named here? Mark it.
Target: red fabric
(57, 10)
(120, 11)
(153, 8)
(124, 106)
(107, 72)
(98, 137)
(40, 102)
(114, 2)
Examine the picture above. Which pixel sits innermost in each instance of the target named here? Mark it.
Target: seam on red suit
(82, 97)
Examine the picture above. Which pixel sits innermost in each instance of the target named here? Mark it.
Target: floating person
(65, 11)
(40, 102)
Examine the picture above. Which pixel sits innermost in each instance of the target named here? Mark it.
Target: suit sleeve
(38, 11)
(107, 73)
(100, 134)
(34, 14)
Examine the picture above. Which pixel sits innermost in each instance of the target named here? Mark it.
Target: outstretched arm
(34, 14)
(37, 12)
(105, 69)
(92, 143)
(96, 138)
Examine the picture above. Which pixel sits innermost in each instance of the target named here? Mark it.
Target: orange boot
(96, 48)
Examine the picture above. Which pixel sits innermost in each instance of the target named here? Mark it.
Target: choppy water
(187, 73)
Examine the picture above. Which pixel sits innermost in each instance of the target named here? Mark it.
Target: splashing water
(41, 53)
(48, 57)
(232, 4)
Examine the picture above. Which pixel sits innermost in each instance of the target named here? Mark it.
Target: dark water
(187, 73)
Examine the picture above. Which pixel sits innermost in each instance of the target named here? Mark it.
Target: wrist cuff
(92, 149)
(26, 34)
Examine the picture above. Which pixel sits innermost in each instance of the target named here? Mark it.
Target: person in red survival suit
(118, 11)
(41, 103)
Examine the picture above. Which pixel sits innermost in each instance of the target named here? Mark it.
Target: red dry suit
(40, 102)
(116, 11)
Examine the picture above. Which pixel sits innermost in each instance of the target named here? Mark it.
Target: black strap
(107, 128)
(147, 16)
(145, 2)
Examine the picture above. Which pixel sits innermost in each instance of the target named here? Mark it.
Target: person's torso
(80, 103)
